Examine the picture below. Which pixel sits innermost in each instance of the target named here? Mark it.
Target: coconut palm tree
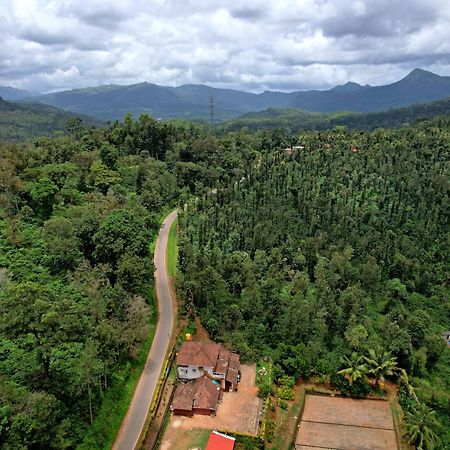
(355, 368)
(422, 427)
(380, 365)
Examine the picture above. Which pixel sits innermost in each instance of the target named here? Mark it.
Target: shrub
(264, 391)
(282, 404)
(286, 392)
(270, 430)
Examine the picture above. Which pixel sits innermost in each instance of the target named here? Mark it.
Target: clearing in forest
(344, 423)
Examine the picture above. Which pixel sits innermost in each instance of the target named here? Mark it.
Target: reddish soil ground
(348, 411)
(331, 436)
(201, 334)
(332, 422)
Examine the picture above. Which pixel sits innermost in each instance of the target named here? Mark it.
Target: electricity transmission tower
(211, 112)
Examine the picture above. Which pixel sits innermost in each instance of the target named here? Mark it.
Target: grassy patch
(395, 409)
(172, 249)
(160, 218)
(200, 438)
(185, 439)
(263, 374)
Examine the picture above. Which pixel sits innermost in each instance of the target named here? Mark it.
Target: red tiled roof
(222, 360)
(184, 397)
(206, 393)
(201, 393)
(219, 441)
(198, 354)
(233, 368)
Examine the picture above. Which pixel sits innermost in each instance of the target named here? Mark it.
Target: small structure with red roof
(219, 441)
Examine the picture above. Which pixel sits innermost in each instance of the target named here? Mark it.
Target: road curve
(134, 421)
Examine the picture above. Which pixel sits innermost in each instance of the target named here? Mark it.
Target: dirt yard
(331, 422)
(238, 412)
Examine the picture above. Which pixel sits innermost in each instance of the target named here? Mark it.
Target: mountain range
(191, 101)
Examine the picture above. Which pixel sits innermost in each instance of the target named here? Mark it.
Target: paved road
(134, 420)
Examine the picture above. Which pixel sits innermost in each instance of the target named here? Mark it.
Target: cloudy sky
(253, 45)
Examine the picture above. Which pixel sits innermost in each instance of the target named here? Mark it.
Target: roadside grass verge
(172, 249)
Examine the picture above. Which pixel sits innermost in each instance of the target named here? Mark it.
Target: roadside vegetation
(303, 257)
(172, 249)
(116, 401)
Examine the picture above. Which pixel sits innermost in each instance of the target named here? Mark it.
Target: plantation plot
(344, 423)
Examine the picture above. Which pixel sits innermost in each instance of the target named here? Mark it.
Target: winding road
(133, 423)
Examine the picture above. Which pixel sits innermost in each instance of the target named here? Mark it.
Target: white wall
(193, 372)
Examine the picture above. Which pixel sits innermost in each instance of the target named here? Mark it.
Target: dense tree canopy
(77, 217)
(307, 256)
(329, 250)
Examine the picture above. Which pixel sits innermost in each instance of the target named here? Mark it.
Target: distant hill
(12, 94)
(192, 101)
(418, 86)
(294, 119)
(25, 121)
(113, 102)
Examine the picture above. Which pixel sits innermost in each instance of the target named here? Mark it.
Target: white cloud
(250, 44)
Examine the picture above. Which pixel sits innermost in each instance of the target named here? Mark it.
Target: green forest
(333, 259)
(294, 120)
(78, 215)
(310, 256)
(29, 121)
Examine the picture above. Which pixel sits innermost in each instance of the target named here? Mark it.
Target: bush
(286, 392)
(264, 391)
(286, 381)
(282, 404)
(270, 430)
(359, 389)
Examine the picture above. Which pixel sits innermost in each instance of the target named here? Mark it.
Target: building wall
(183, 412)
(192, 372)
(203, 412)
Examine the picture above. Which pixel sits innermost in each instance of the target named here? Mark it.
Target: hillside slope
(294, 119)
(12, 94)
(25, 121)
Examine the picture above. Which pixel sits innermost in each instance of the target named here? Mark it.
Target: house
(219, 441)
(446, 336)
(195, 359)
(196, 397)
